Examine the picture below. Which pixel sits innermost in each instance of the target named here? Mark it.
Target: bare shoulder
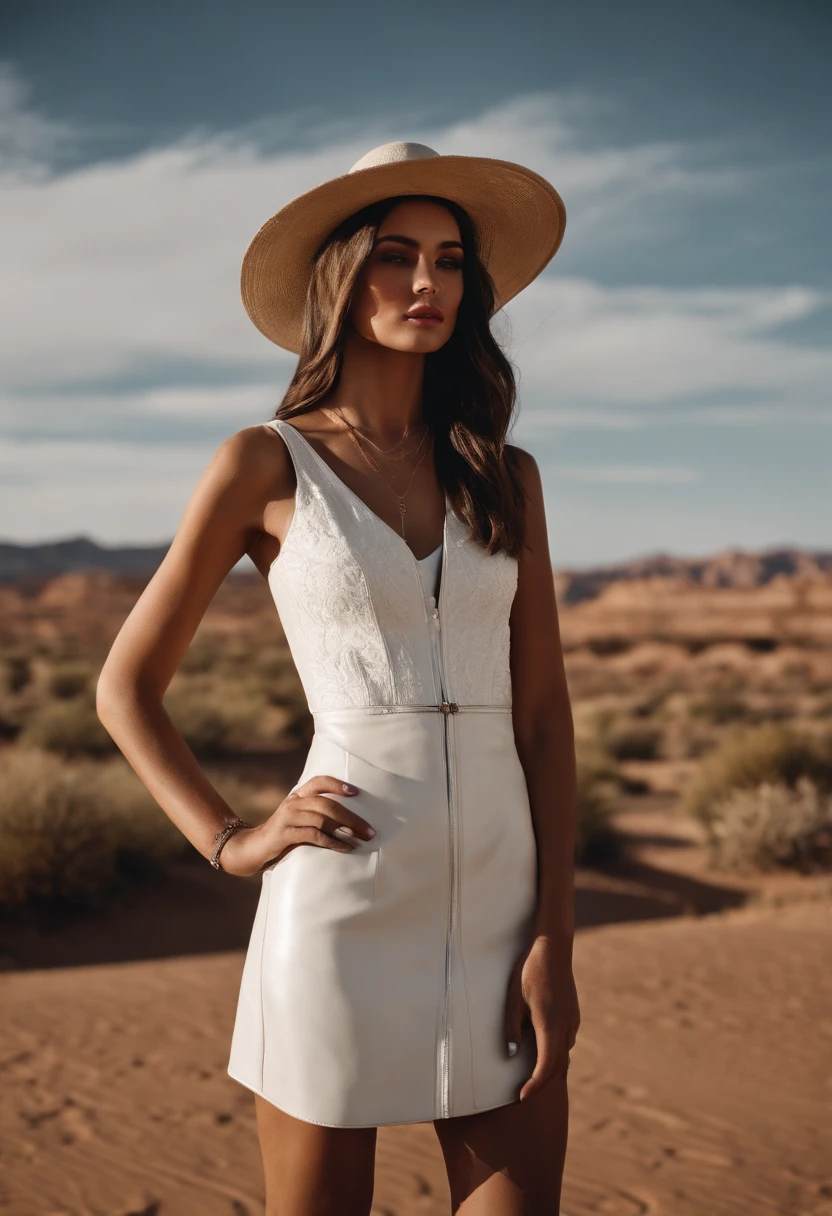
(257, 457)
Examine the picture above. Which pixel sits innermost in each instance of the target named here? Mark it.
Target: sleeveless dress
(375, 982)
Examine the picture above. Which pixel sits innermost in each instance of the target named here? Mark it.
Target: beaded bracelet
(223, 836)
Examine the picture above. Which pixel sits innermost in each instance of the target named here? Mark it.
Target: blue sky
(674, 358)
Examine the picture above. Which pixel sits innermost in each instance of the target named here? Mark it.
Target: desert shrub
(281, 685)
(775, 711)
(201, 719)
(73, 831)
(70, 727)
(218, 718)
(70, 831)
(719, 706)
(599, 786)
(70, 679)
(651, 703)
(770, 826)
(18, 671)
(634, 741)
(749, 756)
(202, 655)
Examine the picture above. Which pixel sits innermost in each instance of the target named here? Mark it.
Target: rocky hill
(729, 568)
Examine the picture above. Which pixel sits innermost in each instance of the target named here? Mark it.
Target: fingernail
(512, 1048)
(342, 831)
(371, 831)
(350, 788)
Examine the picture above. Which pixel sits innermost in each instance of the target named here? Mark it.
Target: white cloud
(581, 341)
(124, 262)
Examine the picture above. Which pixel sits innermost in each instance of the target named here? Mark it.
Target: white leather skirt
(375, 983)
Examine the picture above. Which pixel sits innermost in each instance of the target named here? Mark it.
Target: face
(416, 263)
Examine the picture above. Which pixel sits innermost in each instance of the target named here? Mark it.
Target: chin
(420, 341)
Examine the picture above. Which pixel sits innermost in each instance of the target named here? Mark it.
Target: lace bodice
(360, 626)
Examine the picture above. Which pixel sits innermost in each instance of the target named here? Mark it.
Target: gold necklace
(400, 498)
(366, 438)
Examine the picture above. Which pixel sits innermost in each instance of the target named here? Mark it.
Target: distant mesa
(76, 553)
(737, 568)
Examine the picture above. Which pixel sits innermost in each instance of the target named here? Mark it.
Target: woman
(414, 963)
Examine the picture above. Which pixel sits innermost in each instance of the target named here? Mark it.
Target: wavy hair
(469, 388)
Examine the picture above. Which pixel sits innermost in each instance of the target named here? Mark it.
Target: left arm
(542, 984)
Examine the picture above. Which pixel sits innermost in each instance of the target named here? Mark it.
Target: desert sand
(701, 1083)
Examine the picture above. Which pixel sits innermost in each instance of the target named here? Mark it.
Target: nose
(424, 282)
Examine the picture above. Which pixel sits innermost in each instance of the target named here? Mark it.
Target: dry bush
(222, 718)
(70, 831)
(73, 831)
(71, 678)
(70, 727)
(17, 664)
(599, 787)
(749, 756)
(719, 706)
(772, 826)
(634, 741)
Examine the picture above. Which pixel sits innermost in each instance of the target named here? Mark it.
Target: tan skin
(503, 1162)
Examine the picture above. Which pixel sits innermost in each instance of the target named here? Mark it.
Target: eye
(451, 263)
(389, 257)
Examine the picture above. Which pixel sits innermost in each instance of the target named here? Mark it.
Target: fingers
(315, 815)
(329, 814)
(323, 783)
(553, 1048)
(338, 839)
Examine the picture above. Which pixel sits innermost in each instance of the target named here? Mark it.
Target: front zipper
(446, 707)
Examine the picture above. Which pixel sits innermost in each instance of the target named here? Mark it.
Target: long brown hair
(469, 392)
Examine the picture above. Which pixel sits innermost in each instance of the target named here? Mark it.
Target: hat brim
(519, 218)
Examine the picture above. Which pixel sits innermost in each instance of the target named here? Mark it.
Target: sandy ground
(701, 1084)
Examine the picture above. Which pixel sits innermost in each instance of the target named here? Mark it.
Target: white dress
(375, 982)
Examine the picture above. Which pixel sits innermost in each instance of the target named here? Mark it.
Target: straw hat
(519, 218)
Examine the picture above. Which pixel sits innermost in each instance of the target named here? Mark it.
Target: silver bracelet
(223, 836)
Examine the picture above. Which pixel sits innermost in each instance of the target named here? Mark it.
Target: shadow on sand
(195, 910)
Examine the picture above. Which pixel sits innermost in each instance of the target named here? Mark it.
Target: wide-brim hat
(519, 219)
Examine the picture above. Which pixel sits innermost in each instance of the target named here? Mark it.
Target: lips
(425, 311)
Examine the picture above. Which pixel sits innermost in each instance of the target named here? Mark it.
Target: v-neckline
(339, 481)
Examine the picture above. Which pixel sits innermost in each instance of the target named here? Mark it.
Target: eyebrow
(408, 240)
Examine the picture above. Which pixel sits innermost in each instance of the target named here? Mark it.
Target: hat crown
(388, 154)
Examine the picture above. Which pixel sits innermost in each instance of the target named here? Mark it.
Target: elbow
(106, 697)
(113, 690)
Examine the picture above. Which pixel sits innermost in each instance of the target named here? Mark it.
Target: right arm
(249, 477)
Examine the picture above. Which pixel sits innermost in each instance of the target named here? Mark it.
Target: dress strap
(303, 457)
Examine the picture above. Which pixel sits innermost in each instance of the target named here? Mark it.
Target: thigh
(311, 1170)
(508, 1161)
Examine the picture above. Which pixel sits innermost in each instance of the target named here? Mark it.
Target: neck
(379, 389)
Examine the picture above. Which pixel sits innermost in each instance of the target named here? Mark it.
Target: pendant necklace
(400, 498)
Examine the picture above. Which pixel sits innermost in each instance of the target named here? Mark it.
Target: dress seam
(262, 1002)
